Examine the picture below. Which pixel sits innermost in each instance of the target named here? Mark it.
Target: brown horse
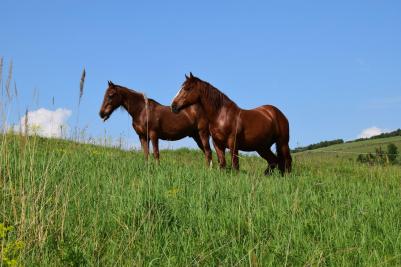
(238, 129)
(153, 121)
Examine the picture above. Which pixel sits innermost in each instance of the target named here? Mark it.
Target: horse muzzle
(104, 116)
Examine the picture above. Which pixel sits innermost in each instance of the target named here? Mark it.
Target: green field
(74, 205)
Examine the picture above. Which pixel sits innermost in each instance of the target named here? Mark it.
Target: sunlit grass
(74, 204)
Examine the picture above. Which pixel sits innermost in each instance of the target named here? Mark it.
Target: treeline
(318, 145)
(383, 135)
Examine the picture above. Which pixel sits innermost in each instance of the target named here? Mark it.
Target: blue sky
(334, 68)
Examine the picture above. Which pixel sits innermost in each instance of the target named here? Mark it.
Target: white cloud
(372, 131)
(45, 122)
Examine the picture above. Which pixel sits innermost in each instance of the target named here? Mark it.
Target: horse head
(188, 94)
(112, 100)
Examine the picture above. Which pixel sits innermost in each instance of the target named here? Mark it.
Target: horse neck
(213, 105)
(133, 102)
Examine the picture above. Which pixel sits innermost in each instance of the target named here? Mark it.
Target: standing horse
(153, 121)
(238, 129)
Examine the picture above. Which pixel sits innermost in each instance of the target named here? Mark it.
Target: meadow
(72, 204)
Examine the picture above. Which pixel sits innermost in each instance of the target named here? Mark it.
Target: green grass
(74, 204)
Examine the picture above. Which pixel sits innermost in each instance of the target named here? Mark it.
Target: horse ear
(190, 75)
(186, 77)
(111, 83)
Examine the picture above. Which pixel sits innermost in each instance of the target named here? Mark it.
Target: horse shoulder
(138, 127)
(222, 125)
(145, 120)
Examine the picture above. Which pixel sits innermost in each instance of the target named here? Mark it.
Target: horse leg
(220, 151)
(215, 148)
(284, 157)
(234, 153)
(271, 159)
(204, 137)
(145, 146)
(234, 158)
(155, 145)
(198, 142)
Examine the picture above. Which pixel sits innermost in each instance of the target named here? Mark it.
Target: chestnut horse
(238, 129)
(153, 121)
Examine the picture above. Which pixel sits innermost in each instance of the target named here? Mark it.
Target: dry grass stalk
(15, 89)
(1, 74)
(81, 85)
(26, 122)
(8, 82)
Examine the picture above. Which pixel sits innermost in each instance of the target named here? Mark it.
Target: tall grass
(76, 204)
(72, 203)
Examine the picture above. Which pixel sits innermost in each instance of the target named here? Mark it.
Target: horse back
(265, 124)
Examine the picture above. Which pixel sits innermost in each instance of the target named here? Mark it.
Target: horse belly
(255, 138)
(176, 129)
(173, 135)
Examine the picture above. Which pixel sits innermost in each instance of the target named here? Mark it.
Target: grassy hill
(75, 204)
(352, 149)
(367, 145)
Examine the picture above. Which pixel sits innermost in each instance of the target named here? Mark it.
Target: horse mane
(214, 96)
(135, 92)
(154, 101)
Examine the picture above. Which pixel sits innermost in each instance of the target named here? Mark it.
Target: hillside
(322, 144)
(351, 150)
(70, 204)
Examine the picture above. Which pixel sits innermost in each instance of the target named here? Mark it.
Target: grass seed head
(81, 85)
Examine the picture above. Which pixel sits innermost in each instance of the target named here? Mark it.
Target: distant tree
(392, 153)
(370, 158)
(383, 135)
(380, 156)
(318, 145)
(361, 158)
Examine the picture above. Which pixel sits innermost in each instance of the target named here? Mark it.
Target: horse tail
(282, 143)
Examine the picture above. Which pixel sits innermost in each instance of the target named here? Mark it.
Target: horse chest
(218, 135)
(139, 129)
